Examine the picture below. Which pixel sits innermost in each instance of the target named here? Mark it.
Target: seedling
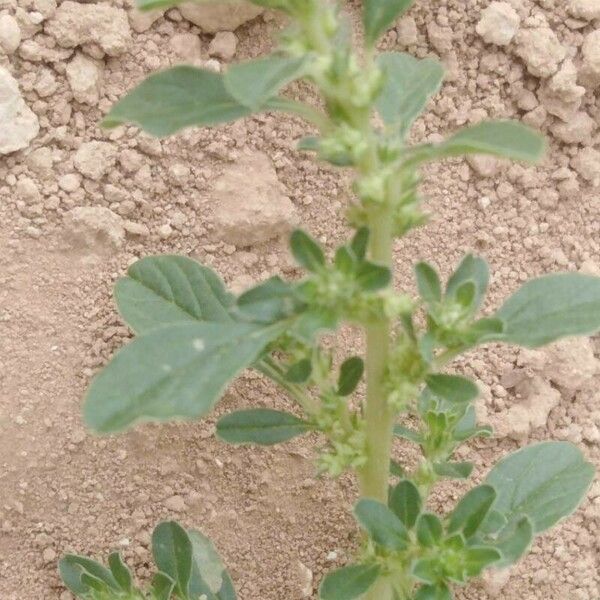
(194, 337)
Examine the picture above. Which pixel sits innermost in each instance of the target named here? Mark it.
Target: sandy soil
(279, 529)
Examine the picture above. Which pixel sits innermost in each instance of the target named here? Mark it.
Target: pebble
(223, 46)
(10, 34)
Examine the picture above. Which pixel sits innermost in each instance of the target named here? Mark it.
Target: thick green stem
(379, 416)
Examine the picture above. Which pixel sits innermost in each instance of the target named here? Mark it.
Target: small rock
(165, 231)
(78, 24)
(265, 213)
(49, 555)
(215, 17)
(584, 9)
(587, 164)
(85, 78)
(439, 37)
(305, 580)
(223, 45)
(142, 20)
(577, 130)
(10, 34)
(540, 50)
(40, 161)
(499, 23)
(570, 363)
(486, 166)
(94, 159)
(560, 95)
(136, 229)
(94, 228)
(590, 70)
(18, 123)
(175, 503)
(27, 190)
(69, 182)
(187, 46)
(408, 34)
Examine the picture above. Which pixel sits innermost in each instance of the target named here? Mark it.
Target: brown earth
(279, 529)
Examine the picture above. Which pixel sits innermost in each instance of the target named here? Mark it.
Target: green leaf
(163, 290)
(270, 301)
(478, 558)
(453, 470)
(382, 525)
(428, 282)
(545, 482)
(452, 388)
(429, 530)
(153, 4)
(360, 243)
(172, 551)
(434, 592)
(513, 541)
(348, 582)
(467, 427)
(428, 570)
(407, 434)
(177, 371)
(371, 277)
(406, 503)
(506, 139)
(551, 307)
(351, 372)
(208, 576)
(409, 84)
(379, 15)
(300, 371)
(396, 469)
(262, 426)
(171, 100)
(162, 587)
(471, 510)
(471, 269)
(120, 572)
(306, 251)
(71, 567)
(254, 82)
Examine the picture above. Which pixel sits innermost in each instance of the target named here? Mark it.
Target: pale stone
(577, 130)
(215, 17)
(10, 34)
(587, 164)
(560, 95)
(499, 23)
(540, 50)
(94, 228)
(94, 159)
(584, 9)
(187, 46)
(85, 78)
(223, 45)
(142, 20)
(408, 34)
(590, 69)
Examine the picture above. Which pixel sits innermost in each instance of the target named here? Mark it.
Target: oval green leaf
(545, 482)
(378, 15)
(348, 582)
(172, 551)
(262, 426)
(177, 98)
(382, 525)
(177, 371)
(351, 372)
(472, 510)
(406, 503)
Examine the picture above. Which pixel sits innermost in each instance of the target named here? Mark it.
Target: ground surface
(62, 489)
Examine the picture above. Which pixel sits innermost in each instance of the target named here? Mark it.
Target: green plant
(194, 337)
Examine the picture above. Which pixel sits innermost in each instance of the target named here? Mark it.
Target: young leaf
(544, 481)
(348, 582)
(300, 371)
(208, 577)
(176, 98)
(120, 572)
(254, 82)
(172, 551)
(360, 243)
(452, 388)
(551, 307)
(163, 290)
(506, 139)
(371, 277)
(71, 567)
(351, 372)
(478, 558)
(177, 371)
(405, 502)
(306, 251)
(267, 302)
(453, 470)
(471, 269)
(428, 570)
(471, 510)
(407, 434)
(378, 15)
(434, 592)
(429, 530)
(409, 83)
(467, 427)
(261, 426)
(162, 587)
(466, 295)
(382, 525)
(513, 541)
(428, 283)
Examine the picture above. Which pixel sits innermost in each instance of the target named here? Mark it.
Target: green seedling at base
(193, 337)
